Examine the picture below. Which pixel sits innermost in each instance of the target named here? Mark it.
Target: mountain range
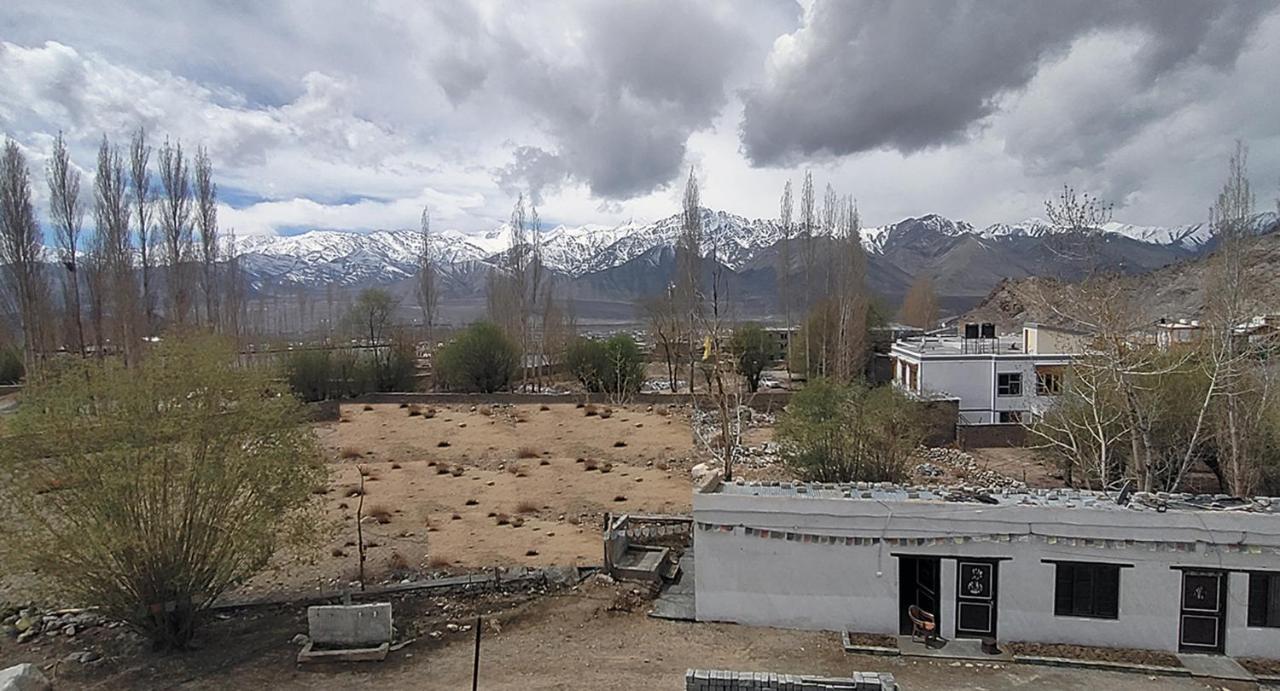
(605, 269)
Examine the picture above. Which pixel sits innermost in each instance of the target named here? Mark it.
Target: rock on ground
(23, 677)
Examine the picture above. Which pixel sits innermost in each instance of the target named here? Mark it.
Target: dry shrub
(415, 410)
(526, 507)
(662, 411)
(368, 407)
(320, 489)
(544, 462)
(589, 465)
(531, 553)
(485, 410)
(619, 498)
(338, 552)
(661, 465)
(516, 522)
(379, 513)
(438, 562)
(343, 505)
(502, 519)
(471, 502)
(578, 404)
(397, 562)
(429, 413)
(442, 444)
(458, 471)
(455, 517)
(590, 410)
(404, 405)
(527, 452)
(606, 413)
(573, 520)
(349, 453)
(619, 444)
(395, 466)
(442, 469)
(606, 467)
(544, 407)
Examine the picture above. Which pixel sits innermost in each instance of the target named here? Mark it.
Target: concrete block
(23, 677)
(350, 626)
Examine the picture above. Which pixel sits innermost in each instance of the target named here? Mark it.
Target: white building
(995, 379)
(1059, 566)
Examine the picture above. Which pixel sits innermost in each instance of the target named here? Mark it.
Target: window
(1048, 383)
(1009, 384)
(1087, 590)
(1011, 416)
(1264, 599)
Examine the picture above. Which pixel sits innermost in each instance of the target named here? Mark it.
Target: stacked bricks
(717, 680)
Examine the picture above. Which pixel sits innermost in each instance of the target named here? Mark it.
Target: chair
(923, 624)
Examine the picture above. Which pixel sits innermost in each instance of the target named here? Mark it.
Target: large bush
(11, 367)
(482, 358)
(321, 374)
(148, 492)
(612, 366)
(835, 432)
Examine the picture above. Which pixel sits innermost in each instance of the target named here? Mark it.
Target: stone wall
(767, 401)
(998, 435)
(715, 680)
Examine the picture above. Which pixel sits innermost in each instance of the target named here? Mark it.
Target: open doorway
(919, 581)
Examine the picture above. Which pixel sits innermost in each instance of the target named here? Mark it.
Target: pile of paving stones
(27, 624)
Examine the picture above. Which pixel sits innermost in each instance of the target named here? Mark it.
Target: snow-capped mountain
(323, 257)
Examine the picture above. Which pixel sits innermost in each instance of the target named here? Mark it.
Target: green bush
(318, 375)
(11, 367)
(482, 359)
(310, 374)
(613, 366)
(835, 432)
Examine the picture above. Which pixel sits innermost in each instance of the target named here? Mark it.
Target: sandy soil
(429, 508)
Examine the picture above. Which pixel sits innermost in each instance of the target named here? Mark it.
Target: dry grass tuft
(544, 462)
(619, 498)
(379, 513)
(349, 453)
(429, 413)
(395, 466)
(526, 507)
(367, 407)
(517, 522)
(590, 410)
(531, 553)
(471, 502)
(662, 411)
(485, 410)
(458, 471)
(606, 467)
(397, 562)
(415, 410)
(606, 413)
(589, 465)
(579, 404)
(502, 519)
(338, 552)
(320, 489)
(619, 444)
(404, 405)
(455, 517)
(527, 452)
(438, 562)
(544, 407)
(442, 469)
(662, 465)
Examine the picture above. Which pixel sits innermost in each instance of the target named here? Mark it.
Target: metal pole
(475, 665)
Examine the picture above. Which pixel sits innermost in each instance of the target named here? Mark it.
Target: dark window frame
(1043, 380)
(1009, 417)
(1088, 590)
(1008, 383)
(1263, 613)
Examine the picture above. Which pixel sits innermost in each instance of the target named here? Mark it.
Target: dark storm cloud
(619, 102)
(913, 75)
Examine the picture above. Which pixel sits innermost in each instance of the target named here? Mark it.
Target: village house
(1165, 572)
(996, 379)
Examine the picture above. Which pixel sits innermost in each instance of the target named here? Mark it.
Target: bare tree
(235, 309)
(206, 194)
(67, 213)
(175, 228)
(111, 215)
(849, 294)
(428, 290)
(664, 322)
(143, 203)
(689, 270)
(807, 224)
(785, 267)
(1078, 219)
(920, 306)
(20, 250)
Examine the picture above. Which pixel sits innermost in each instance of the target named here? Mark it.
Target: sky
(356, 115)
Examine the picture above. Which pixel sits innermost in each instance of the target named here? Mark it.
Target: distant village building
(1177, 333)
(1164, 572)
(996, 379)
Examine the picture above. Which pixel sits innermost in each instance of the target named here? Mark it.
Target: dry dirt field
(525, 485)
(576, 640)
